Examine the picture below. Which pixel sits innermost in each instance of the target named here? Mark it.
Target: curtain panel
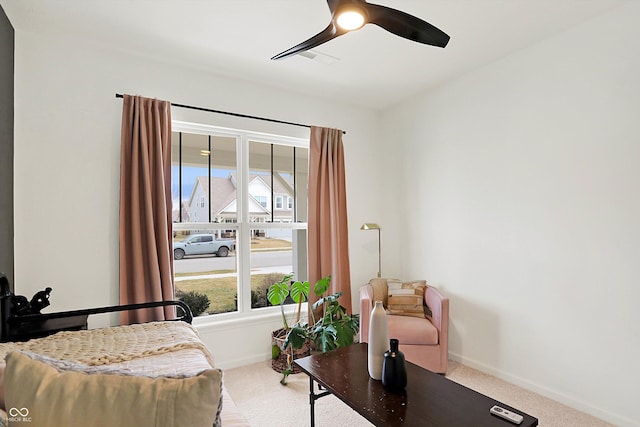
(146, 263)
(328, 231)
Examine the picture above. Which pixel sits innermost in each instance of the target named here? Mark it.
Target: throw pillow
(406, 298)
(379, 286)
(56, 397)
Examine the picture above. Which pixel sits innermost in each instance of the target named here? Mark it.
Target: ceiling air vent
(322, 58)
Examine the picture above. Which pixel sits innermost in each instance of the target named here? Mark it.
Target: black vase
(394, 371)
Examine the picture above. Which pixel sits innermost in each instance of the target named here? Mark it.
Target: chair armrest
(439, 306)
(366, 304)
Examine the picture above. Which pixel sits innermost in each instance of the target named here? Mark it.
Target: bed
(149, 374)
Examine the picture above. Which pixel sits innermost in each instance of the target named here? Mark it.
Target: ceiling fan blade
(331, 32)
(333, 4)
(405, 25)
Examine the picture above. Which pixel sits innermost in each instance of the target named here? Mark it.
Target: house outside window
(227, 194)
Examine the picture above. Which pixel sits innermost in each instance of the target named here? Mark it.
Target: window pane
(205, 262)
(259, 205)
(223, 180)
(175, 179)
(289, 181)
(282, 180)
(194, 173)
(277, 252)
(301, 184)
(207, 194)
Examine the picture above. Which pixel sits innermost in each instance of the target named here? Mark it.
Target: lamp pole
(374, 226)
(379, 256)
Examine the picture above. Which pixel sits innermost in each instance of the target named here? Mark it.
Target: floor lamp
(373, 226)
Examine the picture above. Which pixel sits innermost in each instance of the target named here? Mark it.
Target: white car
(203, 244)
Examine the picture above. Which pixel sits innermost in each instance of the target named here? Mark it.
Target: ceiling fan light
(351, 18)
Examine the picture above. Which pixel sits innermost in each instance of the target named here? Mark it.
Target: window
(224, 183)
(262, 200)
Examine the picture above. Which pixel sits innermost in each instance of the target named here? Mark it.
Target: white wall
(67, 150)
(521, 203)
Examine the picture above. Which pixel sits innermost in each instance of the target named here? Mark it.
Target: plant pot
(282, 361)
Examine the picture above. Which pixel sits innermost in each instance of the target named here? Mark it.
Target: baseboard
(578, 404)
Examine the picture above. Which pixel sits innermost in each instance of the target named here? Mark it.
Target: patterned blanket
(114, 344)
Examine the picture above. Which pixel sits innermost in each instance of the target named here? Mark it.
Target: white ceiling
(376, 68)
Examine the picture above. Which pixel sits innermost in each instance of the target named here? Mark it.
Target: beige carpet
(265, 403)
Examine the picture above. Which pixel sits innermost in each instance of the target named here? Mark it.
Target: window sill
(256, 317)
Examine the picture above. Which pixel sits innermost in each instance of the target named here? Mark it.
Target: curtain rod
(246, 116)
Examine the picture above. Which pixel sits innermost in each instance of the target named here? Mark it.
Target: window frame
(279, 201)
(243, 227)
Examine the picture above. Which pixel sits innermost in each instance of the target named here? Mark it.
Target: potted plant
(282, 351)
(335, 327)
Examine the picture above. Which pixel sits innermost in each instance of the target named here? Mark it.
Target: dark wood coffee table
(429, 400)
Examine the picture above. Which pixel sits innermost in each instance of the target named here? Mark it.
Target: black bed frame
(13, 326)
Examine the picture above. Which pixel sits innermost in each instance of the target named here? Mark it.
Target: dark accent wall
(7, 43)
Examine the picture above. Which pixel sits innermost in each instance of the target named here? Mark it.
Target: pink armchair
(424, 342)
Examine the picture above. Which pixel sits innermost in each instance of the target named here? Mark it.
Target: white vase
(378, 340)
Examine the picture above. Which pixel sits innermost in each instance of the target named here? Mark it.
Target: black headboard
(8, 320)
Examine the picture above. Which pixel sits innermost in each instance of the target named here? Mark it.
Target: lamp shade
(370, 226)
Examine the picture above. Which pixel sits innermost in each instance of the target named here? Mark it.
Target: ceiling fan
(350, 15)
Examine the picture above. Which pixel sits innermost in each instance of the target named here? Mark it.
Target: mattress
(149, 349)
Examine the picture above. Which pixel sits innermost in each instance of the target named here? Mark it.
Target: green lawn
(203, 273)
(222, 291)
